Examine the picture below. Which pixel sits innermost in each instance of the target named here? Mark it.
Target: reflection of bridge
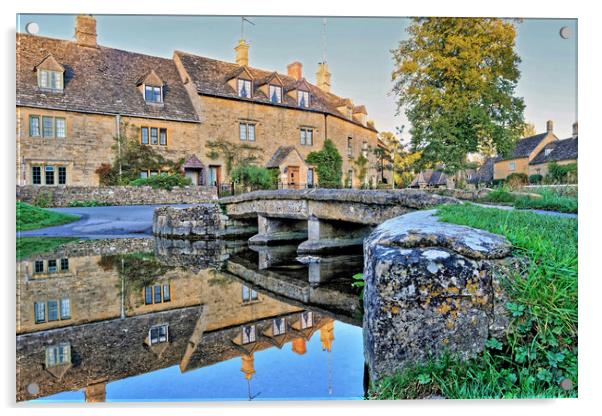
(323, 219)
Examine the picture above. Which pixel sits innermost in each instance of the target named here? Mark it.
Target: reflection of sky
(357, 53)
(280, 374)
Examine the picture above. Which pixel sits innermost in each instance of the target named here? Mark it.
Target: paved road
(102, 222)
(538, 211)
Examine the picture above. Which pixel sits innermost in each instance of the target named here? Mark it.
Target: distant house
(484, 175)
(562, 152)
(436, 178)
(524, 152)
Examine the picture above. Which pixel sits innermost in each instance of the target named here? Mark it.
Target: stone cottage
(75, 97)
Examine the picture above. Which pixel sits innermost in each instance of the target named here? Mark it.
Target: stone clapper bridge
(322, 220)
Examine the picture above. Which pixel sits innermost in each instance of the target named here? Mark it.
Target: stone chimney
(550, 126)
(96, 393)
(575, 129)
(323, 77)
(242, 53)
(85, 30)
(295, 70)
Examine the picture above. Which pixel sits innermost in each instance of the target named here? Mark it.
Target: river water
(145, 319)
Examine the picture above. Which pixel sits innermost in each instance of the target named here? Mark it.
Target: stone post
(429, 288)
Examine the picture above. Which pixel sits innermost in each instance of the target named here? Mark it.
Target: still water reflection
(160, 320)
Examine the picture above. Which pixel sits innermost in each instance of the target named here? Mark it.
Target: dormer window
(547, 152)
(275, 94)
(153, 94)
(303, 99)
(50, 80)
(244, 88)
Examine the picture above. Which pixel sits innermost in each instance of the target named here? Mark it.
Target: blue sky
(358, 54)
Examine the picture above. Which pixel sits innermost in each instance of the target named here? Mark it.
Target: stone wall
(203, 220)
(61, 196)
(430, 287)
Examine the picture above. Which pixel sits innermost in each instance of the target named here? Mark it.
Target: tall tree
(456, 80)
(329, 165)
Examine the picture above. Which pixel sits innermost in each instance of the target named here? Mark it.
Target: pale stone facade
(83, 122)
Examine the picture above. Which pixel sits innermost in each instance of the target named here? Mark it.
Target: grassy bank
(550, 201)
(539, 350)
(30, 217)
(27, 246)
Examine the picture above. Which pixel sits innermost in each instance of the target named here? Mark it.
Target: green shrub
(329, 165)
(254, 177)
(43, 199)
(516, 180)
(535, 179)
(162, 181)
(499, 195)
(558, 174)
(497, 182)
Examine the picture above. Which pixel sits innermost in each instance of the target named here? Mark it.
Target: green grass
(27, 246)
(30, 217)
(550, 200)
(540, 346)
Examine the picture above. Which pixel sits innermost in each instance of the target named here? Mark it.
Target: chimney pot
(242, 53)
(575, 129)
(85, 30)
(295, 70)
(550, 126)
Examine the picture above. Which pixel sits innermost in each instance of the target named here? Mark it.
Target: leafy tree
(329, 165)
(162, 181)
(456, 79)
(233, 154)
(131, 157)
(529, 130)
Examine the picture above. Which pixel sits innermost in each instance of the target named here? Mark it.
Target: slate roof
(193, 162)
(524, 147)
(210, 77)
(279, 156)
(560, 150)
(485, 172)
(430, 177)
(99, 80)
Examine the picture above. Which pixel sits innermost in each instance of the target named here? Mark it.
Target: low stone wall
(103, 247)
(429, 287)
(62, 196)
(202, 220)
(464, 194)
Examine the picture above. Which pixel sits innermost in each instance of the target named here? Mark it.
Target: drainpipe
(118, 128)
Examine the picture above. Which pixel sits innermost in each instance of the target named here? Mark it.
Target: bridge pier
(278, 231)
(327, 236)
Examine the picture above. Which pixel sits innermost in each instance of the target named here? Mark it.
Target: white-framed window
(307, 319)
(244, 88)
(158, 334)
(47, 126)
(51, 266)
(49, 175)
(58, 354)
(275, 94)
(34, 126)
(154, 135)
(246, 131)
(248, 334)
(278, 326)
(153, 94)
(38, 266)
(512, 166)
(248, 294)
(59, 127)
(51, 80)
(39, 312)
(62, 170)
(303, 99)
(64, 265)
(307, 136)
(57, 309)
(36, 175)
(65, 309)
(546, 152)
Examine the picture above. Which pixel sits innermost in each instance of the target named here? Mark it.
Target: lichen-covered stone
(202, 220)
(429, 288)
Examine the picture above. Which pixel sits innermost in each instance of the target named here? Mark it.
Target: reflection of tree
(136, 271)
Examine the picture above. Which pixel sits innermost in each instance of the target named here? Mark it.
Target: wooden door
(293, 177)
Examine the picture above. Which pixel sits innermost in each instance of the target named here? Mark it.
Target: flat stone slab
(424, 229)
(411, 198)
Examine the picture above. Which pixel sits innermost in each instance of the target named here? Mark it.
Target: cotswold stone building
(75, 97)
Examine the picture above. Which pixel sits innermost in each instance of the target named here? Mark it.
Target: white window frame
(152, 90)
(159, 340)
(46, 77)
(279, 328)
(278, 90)
(300, 95)
(251, 337)
(240, 82)
(307, 319)
(58, 354)
(244, 131)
